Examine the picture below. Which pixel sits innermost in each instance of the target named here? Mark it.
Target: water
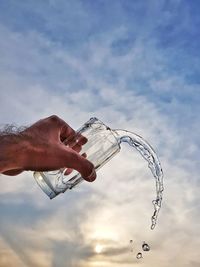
(131, 245)
(139, 256)
(145, 246)
(154, 165)
(103, 143)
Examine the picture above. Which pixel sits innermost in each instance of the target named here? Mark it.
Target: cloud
(124, 77)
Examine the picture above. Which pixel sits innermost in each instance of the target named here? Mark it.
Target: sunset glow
(98, 248)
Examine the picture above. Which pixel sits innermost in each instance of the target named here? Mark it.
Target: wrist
(14, 152)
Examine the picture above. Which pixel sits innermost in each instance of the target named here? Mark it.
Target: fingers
(13, 172)
(67, 135)
(77, 148)
(53, 127)
(76, 144)
(77, 162)
(66, 132)
(62, 129)
(69, 170)
(76, 139)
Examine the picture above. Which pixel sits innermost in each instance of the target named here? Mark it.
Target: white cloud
(39, 78)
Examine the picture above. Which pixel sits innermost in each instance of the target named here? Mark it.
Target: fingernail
(92, 176)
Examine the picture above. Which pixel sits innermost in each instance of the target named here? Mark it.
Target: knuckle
(89, 168)
(74, 155)
(67, 130)
(71, 131)
(54, 118)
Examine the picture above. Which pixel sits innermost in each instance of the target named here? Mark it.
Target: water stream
(154, 165)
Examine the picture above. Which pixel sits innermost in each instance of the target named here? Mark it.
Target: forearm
(12, 148)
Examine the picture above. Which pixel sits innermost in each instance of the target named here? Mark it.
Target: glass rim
(95, 119)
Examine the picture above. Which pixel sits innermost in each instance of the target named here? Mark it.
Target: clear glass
(101, 146)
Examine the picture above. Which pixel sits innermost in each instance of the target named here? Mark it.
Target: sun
(98, 248)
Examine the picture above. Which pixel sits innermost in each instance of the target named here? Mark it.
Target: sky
(135, 66)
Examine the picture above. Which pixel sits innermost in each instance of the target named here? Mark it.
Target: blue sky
(135, 65)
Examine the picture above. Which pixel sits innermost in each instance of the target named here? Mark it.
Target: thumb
(77, 162)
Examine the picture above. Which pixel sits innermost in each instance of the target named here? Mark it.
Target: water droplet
(145, 246)
(131, 245)
(139, 255)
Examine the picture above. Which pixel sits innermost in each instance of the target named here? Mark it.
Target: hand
(49, 144)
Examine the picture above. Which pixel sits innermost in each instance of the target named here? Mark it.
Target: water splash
(145, 246)
(154, 165)
(131, 245)
(103, 143)
(139, 256)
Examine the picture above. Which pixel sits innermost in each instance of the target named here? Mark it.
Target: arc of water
(148, 153)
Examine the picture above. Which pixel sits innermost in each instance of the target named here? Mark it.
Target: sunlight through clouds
(132, 65)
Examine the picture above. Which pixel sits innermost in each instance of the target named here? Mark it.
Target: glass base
(40, 179)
